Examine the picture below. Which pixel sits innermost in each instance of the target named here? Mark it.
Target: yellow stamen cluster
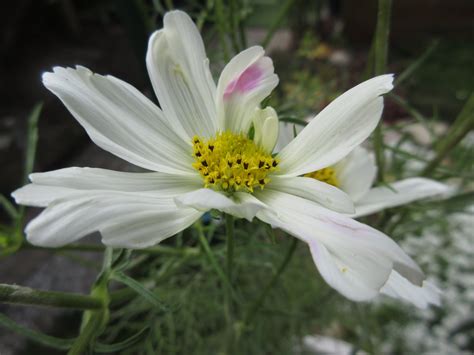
(327, 175)
(232, 162)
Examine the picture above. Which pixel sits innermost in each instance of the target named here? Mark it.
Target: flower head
(201, 158)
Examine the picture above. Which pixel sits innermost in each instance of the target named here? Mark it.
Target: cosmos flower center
(232, 162)
(327, 175)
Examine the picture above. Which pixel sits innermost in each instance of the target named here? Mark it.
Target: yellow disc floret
(327, 175)
(232, 162)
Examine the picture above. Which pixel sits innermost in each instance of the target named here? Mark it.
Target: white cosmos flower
(197, 148)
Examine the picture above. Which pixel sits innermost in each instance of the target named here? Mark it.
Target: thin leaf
(53, 342)
(416, 64)
(8, 206)
(32, 139)
(114, 348)
(140, 289)
(66, 344)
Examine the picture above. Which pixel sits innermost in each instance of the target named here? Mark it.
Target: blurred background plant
(174, 298)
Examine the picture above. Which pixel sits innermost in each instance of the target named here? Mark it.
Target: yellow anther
(232, 162)
(327, 175)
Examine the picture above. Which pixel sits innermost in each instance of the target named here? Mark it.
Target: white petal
(59, 184)
(314, 190)
(400, 193)
(109, 212)
(240, 205)
(336, 130)
(399, 287)
(348, 280)
(352, 257)
(265, 122)
(179, 72)
(356, 173)
(146, 228)
(119, 119)
(245, 81)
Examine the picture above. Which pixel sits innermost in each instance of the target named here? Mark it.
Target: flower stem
(229, 224)
(252, 311)
(27, 296)
(234, 26)
(212, 260)
(221, 27)
(276, 24)
(380, 63)
(94, 321)
(242, 34)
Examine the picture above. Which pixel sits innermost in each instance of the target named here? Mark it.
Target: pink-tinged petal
(245, 81)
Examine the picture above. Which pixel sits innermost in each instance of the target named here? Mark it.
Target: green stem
(221, 27)
(242, 34)
(277, 23)
(252, 311)
(463, 124)
(27, 296)
(212, 260)
(229, 224)
(234, 26)
(381, 36)
(84, 341)
(94, 322)
(380, 64)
